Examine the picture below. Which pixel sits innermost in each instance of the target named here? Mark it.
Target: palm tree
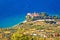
(28, 18)
(44, 14)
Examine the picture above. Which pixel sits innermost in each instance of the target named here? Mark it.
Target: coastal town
(37, 26)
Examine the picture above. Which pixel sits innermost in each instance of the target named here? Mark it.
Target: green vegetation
(41, 15)
(28, 18)
(33, 31)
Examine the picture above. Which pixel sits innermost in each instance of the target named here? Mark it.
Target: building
(40, 17)
(58, 21)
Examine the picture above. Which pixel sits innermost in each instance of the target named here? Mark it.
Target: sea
(11, 21)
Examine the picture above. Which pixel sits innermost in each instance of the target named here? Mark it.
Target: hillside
(40, 29)
(35, 30)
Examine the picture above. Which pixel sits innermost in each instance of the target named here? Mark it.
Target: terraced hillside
(38, 30)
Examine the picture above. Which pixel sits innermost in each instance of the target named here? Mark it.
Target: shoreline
(14, 25)
(18, 23)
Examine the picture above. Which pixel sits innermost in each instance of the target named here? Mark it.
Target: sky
(13, 11)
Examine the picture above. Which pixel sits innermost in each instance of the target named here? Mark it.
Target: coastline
(10, 22)
(18, 24)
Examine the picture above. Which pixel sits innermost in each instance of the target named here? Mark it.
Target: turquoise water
(11, 21)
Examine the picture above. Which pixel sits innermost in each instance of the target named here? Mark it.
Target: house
(7, 32)
(33, 14)
(58, 21)
(39, 17)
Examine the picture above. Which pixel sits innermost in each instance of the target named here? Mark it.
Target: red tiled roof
(34, 14)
